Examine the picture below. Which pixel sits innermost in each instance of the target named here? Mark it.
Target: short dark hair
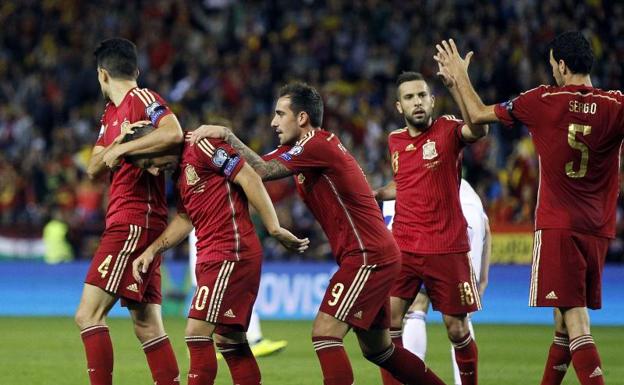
(306, 98)
(119, 57)
(575, 51)
(408, 76)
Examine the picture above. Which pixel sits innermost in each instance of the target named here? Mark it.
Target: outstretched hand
(449, 60)
(208, 131)
(290, 241)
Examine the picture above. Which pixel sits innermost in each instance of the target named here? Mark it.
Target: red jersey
(577, 132)
(135, 196)
(217, 207)
(334, 187)
(427, 173)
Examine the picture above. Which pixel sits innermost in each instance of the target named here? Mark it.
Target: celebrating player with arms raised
(577, 131)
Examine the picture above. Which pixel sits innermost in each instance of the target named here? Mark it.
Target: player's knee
(456, 327)
(146, 331)
(85, 318)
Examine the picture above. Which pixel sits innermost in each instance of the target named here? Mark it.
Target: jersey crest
(429, 150)
(191, 175)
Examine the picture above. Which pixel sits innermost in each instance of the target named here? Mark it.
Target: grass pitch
(48, 351)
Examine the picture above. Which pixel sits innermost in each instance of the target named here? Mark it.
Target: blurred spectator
(55, 240)
(218, 60)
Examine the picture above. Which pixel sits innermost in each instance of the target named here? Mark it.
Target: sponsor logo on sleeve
(508, 105)
(231, 165)
(294, 151)
(154, 111)
(219, 157)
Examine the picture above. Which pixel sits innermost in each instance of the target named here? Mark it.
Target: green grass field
(48, 351)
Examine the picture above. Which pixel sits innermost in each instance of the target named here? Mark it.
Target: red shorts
(111, 267)
(449, 279)
(226, 292)
(567, 269)
(360, 294)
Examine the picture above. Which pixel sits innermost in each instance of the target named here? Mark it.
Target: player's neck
(119, 89)
(415, 131)
(578, 80)
(305, 131)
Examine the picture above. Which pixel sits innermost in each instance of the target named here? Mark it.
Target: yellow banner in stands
(511, 247)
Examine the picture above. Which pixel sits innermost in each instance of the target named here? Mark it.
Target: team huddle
(384, 276)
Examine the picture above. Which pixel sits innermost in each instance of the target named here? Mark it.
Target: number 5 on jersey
(575, 144)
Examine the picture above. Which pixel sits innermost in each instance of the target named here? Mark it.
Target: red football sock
(334, 361)
(397, 339)
(558, 360)
(405, 366)
(99, 351)
(243, 366)
(203, 368)
(466, 356)
(162, 361)
(586, 360)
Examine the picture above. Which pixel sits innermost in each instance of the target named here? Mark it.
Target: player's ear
(432, 101)
(303, 118)
(563, 68)
(398, 107)
(104, 74)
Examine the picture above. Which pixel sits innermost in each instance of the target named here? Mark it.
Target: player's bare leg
(585, 357)
(90, 317)
(466, 354)
(239, 357)
(559, 356)
(398, 309)
(327, 335)
(149, 329)
(405, 367)
(203, 369)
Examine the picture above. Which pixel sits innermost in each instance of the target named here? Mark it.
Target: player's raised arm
(178, 229)
(259, 198)
(449, 59)
(386, 193)
(268, 170)
(470, 131)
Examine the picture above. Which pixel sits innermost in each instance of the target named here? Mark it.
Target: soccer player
(215, 185)
(415, 327)
(136, 215)
(577, 131)
(334, 188)
(429, 226)
(260, 346)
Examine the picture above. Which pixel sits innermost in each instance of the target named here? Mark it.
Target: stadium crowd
(223, 60)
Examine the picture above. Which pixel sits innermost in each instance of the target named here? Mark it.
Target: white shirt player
(475, 216)
(192, 241)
